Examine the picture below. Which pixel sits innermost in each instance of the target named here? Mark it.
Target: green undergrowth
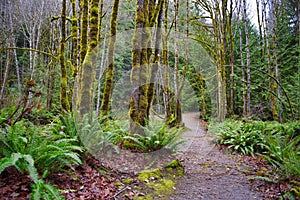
(39, 151)
(115, 134)
(278, 143)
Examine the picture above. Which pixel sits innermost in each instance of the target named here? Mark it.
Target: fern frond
(31, 168)
(5, 163)
(53, 192)
(37, 190)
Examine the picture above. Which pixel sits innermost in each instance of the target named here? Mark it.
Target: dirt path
(210, 174)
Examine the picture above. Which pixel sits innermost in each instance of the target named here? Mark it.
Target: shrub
(283, 150)
(243, 138)
(97, 135)
(25, 163)
(156, 136)
(278, 143)
(50, 151)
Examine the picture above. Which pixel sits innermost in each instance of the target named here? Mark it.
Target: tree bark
(64, 101)
(85, 100)
(248, 61)
(105, 106)
(165, 60)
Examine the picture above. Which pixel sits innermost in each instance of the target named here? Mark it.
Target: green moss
(118, 183)
(146, 197)
(146, 174)
(94, 11)
(128, 180)
(175, 167)
(164, 187)
(156, 181)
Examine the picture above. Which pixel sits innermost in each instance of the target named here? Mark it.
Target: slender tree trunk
(276, 88)
(248, 60)
(85, 100)
(155, 64)
(232, 60)
(177, 111)
(105, 106)
(13, 40)
(74, 31)
(140, 68)
(260, 30)
(64, 101)
(165, 60)
(268, 49)
(101, 72)
(84, 29)
(243, 74)
(7, 64)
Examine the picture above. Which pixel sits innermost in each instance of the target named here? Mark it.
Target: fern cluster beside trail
(38, 151)
(277, 143)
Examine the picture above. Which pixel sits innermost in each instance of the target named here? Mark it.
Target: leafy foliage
(50, 151)
(156, 135)
(283, 152)
(24, 162)
(242, 138)
(278, 143)
(65, 124)
(97, 135)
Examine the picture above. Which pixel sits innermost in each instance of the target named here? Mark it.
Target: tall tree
(218, 34)
(87, 73)
(177, 106)
(63, 68)
(146, 15)
(110, 69)
(165, 58)
(248, 59)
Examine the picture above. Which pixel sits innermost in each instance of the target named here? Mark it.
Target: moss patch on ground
(159, 183)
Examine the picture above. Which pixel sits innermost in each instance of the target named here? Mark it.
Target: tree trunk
(232, 60)
(248, 60)
(64, 101)
(276, 88)
(177, 111)
(85, 100)
(243, 74)
(140, 67)
(105, 106)
(165, 60)
(7, 64)
(155, 63)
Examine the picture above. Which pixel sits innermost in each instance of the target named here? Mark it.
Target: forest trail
(209, 173)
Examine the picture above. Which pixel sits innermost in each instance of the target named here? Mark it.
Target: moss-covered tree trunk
(231, 106)
(64, 100)
(165, 61)
(88, 71)
(84, 9)
(74, 61)
(248, 61)
(177, 111)
(155, 64)
(140, 61)
(276, 89)
(110, 69)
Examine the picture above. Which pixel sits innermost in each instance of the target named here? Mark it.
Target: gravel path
(210, 174)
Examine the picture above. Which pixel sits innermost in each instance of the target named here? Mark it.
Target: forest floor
(210, 173)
